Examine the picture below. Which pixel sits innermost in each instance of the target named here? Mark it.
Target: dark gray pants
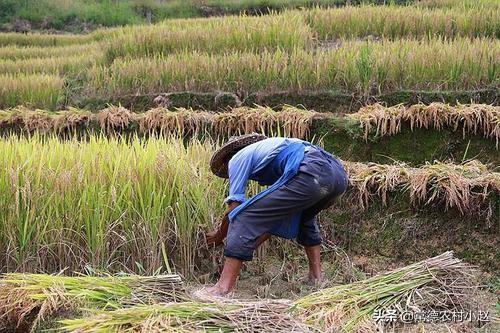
(320, 179)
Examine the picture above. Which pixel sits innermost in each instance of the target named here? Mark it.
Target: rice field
(364, 50)
(106, 191)
(362, 68)
(116, 203)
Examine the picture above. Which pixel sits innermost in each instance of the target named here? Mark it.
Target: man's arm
(217, 236)
(239, 169)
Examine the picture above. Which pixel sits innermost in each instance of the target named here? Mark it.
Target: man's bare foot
(209, 293)
(314, 281)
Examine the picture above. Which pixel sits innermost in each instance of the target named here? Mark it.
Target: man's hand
(214, 238)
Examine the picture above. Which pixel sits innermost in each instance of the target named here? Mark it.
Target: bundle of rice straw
(32, 297)
(439, 283)
(222, 316)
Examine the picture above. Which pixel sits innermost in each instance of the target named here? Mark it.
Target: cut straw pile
(25, 297)
(471, 119)
(289, 121)
(463, 186)
(441, 283)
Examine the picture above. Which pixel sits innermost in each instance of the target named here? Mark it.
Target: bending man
(303, 179)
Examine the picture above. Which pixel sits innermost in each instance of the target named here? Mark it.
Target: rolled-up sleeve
(240, 168)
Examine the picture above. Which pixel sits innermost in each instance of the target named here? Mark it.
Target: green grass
(75, 15)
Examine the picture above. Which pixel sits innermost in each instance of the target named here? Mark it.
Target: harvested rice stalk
(179, 121)
(71, 119)
(292, 121)
(30, 120)
(229, 316)
(440, 283)
(4, 118)
(371, 179)
(114, 117)
(379, 119)
(473, 118)
(36, 296)
(463, 186)
(459, 185)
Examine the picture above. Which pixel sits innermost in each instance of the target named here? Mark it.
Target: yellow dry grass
(289, 121)
(470, 119)
(462, 186)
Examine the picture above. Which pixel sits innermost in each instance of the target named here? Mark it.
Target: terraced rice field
(106, 138)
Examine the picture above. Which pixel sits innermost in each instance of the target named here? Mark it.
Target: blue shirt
(272, 162)
(250, 162)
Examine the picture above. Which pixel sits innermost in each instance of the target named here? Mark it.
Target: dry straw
(442, 283)
(462, 186)
(31, 298)
(470, 119)
(289, 121)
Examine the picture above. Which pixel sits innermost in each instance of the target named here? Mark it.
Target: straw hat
(220, 159)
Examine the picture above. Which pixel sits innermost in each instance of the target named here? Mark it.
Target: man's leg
(227, 280)
(314, 255)
(231, 271)
(309, 237)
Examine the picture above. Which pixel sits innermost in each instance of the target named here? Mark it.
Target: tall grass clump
(38, 39)
(14, 52)
(105, 202)
(362, 68)
(61, 65)
(403, 22)
(37, 90)
(213, 35)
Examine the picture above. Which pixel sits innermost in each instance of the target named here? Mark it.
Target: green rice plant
(65, 65)
(442, 283)
(36, 39)
(24, 296)
(214, 35)
(37, 90)
(14, 52)
(105, 202)
(403, 22)
(363, 68)
(466, 4)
